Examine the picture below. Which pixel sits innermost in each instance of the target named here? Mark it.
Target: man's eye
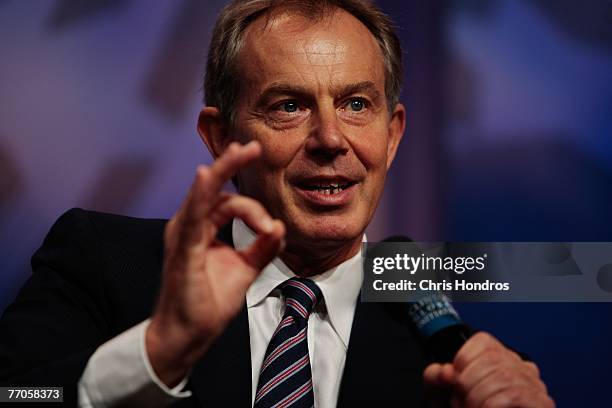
(357, 104)
(289, 106)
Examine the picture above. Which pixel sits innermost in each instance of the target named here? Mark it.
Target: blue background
(509, 138)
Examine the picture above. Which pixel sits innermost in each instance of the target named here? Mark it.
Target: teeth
(328, 186)
(328, 191)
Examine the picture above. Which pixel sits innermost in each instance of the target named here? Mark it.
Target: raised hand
(205, 281)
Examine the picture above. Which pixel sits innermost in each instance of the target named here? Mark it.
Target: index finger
(206, 187)
(234, 157)
(205, 191)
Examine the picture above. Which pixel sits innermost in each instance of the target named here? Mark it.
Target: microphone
(436, 320)
(442, 330)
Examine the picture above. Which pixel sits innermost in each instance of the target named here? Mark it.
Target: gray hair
(221, 81)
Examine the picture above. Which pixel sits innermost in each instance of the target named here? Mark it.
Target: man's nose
(326, 138)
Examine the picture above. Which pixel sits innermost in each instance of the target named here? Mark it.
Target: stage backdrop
(509, 138)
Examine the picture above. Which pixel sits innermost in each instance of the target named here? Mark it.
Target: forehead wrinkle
(320, 52)
(335, 62)
(272, 52)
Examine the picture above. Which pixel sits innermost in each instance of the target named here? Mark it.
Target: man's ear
(397, 124)
(212, 130)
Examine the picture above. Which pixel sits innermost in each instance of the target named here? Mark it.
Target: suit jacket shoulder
(94, 276)
(116, 260)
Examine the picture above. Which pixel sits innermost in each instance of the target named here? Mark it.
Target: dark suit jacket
(97, 275)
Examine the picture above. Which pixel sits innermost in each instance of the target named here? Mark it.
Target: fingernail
(267, 225)
(252, 143)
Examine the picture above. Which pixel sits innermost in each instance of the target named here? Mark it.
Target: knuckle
(484, 338)
(533, 368)
(508, 375)
(505, 375)
(493, 356)
(462, 385)
(511, 355)
(460, 361)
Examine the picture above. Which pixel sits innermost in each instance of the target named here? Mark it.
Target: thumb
(439, 375)
(439, 379)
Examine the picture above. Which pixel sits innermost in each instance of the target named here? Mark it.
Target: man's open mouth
(327, 188)
(326, 191)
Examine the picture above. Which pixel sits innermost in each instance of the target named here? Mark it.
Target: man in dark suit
(252, 298)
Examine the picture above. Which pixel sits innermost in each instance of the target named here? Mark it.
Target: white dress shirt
(119, 371)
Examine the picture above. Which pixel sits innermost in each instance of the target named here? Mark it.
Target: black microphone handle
(443, 345)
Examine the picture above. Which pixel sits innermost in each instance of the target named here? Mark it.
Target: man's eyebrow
(282, 89)
(367, 87)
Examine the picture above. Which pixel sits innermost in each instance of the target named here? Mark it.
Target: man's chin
(327, 230)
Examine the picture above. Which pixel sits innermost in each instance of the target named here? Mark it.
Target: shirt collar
(340, 285)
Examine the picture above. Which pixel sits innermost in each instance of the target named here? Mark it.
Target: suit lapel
(384, 361)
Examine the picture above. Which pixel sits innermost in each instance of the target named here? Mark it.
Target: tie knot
(301, 297)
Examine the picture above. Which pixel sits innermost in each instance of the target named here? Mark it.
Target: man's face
(313, 95)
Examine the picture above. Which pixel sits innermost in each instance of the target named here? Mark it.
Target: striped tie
(285, 378)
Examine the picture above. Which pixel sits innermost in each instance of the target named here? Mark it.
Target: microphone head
(439, 325)
(432, 314)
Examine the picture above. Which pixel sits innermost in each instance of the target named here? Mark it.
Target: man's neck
(309, 260)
